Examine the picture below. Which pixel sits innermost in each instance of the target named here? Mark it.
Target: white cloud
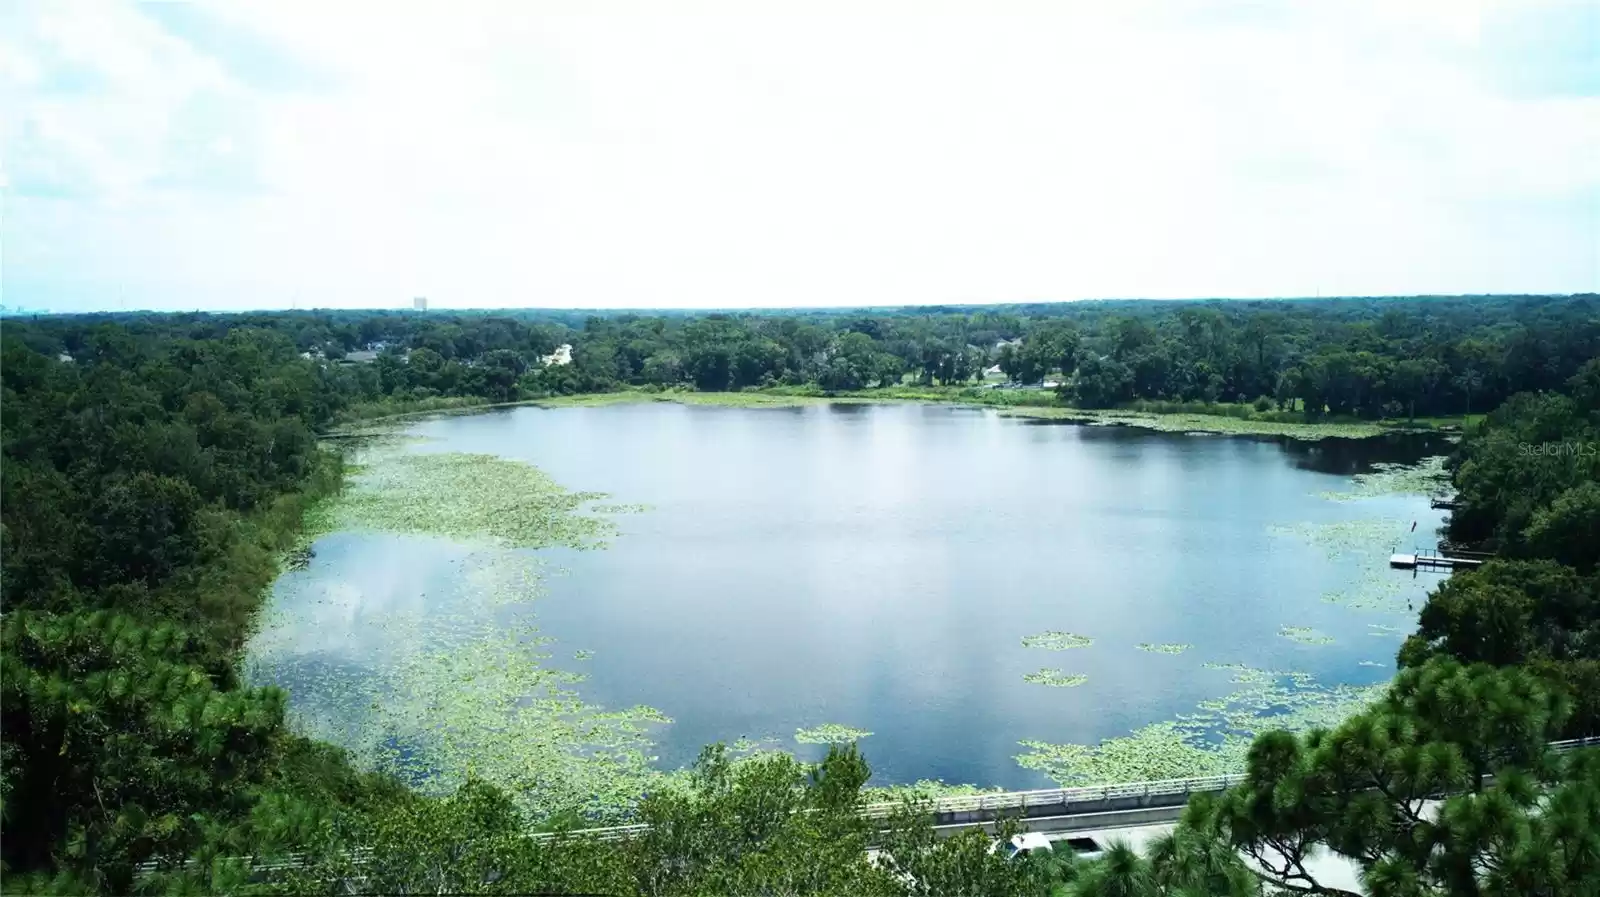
(607, 155)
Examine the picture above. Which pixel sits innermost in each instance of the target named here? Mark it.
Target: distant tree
(887, 369)
(1568, 530)
(501, 369)
(1102, 382)
(392, 371)
(839, 374)
(1414, 380)
(1029, 362)
(145, 528)
(1473, 369)
(1584, 386)
(663, 368)
(597, 364)
(710, 368)
(1062, 342)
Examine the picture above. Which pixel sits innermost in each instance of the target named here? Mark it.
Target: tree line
(1361, 358)
(156, 469)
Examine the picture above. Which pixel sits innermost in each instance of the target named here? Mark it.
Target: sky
(540, 153)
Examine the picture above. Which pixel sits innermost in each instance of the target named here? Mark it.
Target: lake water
(877, 566)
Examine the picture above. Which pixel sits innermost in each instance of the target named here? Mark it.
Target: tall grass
(392, 407)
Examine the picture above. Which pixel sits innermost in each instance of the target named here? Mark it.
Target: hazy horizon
(612, 155)
(767, 309)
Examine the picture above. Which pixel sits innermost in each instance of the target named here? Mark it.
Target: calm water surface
(877, 566)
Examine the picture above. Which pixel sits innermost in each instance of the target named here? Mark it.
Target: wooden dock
(1434, 560)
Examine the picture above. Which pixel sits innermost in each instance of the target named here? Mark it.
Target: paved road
(1090, 834)
(1329, 869)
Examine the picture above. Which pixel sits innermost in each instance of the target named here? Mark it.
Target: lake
(877, 566)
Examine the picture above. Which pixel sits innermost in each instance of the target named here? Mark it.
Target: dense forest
(1363, 358)
(157, 467)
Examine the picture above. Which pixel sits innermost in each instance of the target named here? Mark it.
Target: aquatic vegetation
(1426, 477)
(1305, 635)
(472, 497)
(613, 508)
(1365, 543)
(1157, 751)
(1368, 541)
(1163, 649)
(1213, 741)
(743, 399)
(1380, 629)
(829, 733)
(372, 435)
(922, 789)
(1344, 538)
(461, 687)
(595, 399)
(1245, 673)
(1200, 423)
(745, 745)
(1055, 640)
(1055, 679)
(298, 556)
(1377, 588)
(457, 683)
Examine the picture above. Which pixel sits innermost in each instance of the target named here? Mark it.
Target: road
(1090, 834)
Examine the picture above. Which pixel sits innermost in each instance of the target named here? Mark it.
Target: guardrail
(1021, 800)
(992, 802)
(1057, 797)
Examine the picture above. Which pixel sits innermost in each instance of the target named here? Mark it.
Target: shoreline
(1171, 422)
(1155, 746)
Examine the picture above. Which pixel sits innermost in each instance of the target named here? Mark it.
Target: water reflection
(878, 565)
(1352, 456)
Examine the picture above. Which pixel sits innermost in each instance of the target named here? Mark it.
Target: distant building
(562, 355)
(420, 303)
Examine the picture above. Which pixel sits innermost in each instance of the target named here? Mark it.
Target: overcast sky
(231, 155)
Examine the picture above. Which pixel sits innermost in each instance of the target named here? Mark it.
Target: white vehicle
(1025, 843)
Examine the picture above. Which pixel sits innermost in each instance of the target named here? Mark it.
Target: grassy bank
(370, 411)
